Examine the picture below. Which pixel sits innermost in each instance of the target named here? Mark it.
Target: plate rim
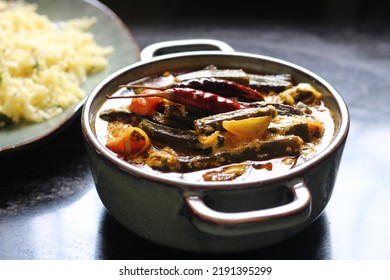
(75, 109)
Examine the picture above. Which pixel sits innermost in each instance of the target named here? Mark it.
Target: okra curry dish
(215, 124)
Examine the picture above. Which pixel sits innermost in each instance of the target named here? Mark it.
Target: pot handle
(222, 223)
(177, 46)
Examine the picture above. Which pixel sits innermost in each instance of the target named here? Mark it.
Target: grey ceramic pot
(213, 217)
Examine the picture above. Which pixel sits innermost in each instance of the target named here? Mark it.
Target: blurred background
(352, 11)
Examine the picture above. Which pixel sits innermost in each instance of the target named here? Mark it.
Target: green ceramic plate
(109, 30)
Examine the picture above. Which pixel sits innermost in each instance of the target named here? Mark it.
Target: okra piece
(267, 83)
(120, 114)
(259, 150)
(308, 130)
(180, 113)
(212, 123)
(281, 109)
(179, 138)
(126, 116)
(303, 92)
(236, 75)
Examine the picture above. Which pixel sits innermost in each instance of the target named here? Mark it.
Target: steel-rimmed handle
(225, 223)
(177, 46)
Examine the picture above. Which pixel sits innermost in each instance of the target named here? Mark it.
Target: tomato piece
(117, 145)
(133, 142)
(145, 106)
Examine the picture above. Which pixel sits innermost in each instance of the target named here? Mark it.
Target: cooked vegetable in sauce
(224, 124)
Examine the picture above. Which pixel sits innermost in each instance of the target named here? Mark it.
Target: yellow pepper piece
(248, 128)
(209, 141)
(136, 141)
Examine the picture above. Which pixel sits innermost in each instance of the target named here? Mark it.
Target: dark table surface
(49, 208)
